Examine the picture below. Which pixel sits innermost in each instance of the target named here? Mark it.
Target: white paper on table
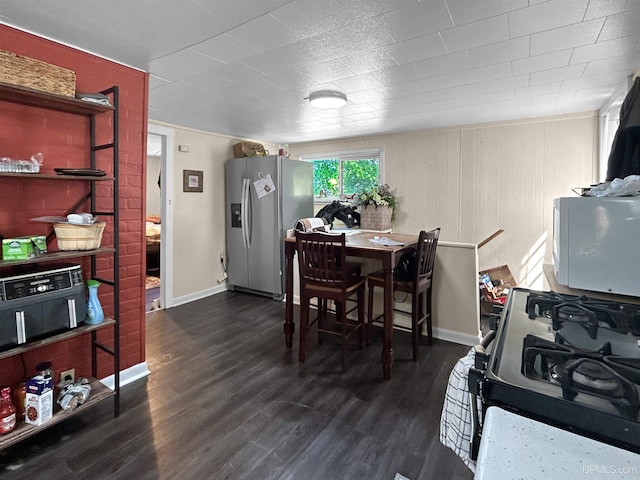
(346, 231)
(264, 186)
(385, 241)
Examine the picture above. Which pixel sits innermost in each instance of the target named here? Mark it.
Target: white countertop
(516, 447)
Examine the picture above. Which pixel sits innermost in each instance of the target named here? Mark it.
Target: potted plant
(377, 207)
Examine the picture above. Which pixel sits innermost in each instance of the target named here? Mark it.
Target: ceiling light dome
(327, 99)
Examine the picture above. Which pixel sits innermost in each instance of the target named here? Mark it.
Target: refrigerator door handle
(246, 184)
(248, 214)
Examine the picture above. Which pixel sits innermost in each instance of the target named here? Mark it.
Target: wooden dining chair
(419, 287)
(325, 275)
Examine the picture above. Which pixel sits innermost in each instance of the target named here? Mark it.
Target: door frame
(166, 201)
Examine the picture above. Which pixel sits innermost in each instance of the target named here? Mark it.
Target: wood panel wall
(474, 180)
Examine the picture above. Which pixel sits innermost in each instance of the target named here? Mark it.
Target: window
(344, 173)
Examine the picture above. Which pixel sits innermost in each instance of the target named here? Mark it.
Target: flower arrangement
(381, 195)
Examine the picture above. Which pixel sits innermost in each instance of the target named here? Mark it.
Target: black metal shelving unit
(99, 392)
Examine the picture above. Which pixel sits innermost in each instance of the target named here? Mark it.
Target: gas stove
(569, 361)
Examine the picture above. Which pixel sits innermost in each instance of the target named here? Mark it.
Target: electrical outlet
(222, 278)
(68, 375)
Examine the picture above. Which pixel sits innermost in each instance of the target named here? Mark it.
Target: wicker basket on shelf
(29, 72)
(78, 237)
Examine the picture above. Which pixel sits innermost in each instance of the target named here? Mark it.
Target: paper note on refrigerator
(264, 186)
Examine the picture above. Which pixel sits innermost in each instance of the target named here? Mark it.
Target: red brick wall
(64, 141)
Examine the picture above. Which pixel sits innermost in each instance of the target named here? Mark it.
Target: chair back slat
(320, 258)
(426, 254)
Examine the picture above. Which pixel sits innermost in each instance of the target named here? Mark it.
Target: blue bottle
(95, 314)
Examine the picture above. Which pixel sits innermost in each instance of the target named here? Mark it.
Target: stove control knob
(41, 288)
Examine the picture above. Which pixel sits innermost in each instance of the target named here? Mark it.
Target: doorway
(159, 216)
(153, 230)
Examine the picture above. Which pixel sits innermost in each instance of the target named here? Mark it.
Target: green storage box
(23, 248)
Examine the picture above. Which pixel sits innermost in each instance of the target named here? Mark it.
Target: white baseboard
(128, 375)
(199, 295)
(456, 337)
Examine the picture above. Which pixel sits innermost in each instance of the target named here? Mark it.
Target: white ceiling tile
(155, 82)
(603, 8)
(621, 25)
(358, 83)
(398, 74)
(271, 62)
(225, 48)
(499, 96)
(440, 82)
(482, 32)
(274, 52)
(291, 80)
(454, 62)
(232, 12)
(263, 33)
(546, 16)
(308, 18)
(575, 35)
(369, 61)
(400, 89)
(534, 91)
(259, 87)
(606, 49)
(505, 84)
(192, 25)
(543, 62)
(467, 11)
(120, 37)
(426, 16)
(614, 64)
(557, 74)
(610, 78)
(208, 82)
(180, 65)
(237, 73)
(427, 46)
(500, 52)
(327, 71)
(490, 72)
(361, 36)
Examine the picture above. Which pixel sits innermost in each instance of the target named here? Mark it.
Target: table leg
(289, 326)
(387, 340)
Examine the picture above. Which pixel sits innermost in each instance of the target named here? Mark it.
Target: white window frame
(609, 120)
(343, 156)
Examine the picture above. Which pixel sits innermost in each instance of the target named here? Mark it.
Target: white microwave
(596, 243)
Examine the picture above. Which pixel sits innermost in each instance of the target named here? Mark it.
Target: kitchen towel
(455, 421)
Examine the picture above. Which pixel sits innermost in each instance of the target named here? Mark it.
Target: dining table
(384, 247)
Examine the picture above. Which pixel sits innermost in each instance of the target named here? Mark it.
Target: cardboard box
(501, 281)
(38, 400)
(23, 248)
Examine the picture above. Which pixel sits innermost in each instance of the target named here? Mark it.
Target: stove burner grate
(597, 373)
(590, 313)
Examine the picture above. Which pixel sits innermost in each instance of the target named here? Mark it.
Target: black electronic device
(37, 301)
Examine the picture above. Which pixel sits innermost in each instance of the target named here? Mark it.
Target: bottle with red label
(7, 412)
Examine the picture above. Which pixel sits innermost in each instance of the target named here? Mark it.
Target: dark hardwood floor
(226, 401)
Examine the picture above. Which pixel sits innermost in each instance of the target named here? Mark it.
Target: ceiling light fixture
(327, 99)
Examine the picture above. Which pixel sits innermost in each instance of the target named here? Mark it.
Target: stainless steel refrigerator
(265, 197)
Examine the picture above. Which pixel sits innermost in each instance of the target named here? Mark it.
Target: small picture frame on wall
(192, 180)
